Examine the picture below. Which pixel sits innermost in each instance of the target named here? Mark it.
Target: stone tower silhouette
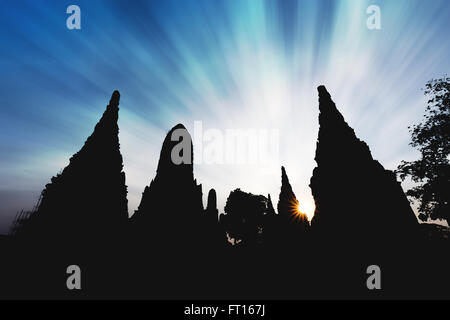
(211, 211)
(87, 201)
(171, 208)
(288, 203)
(292, 223)
(270, 209)
(355, 197)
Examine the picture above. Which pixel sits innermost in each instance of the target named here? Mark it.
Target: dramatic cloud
(230, 64)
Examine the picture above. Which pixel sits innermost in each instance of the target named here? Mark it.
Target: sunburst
(294, 210)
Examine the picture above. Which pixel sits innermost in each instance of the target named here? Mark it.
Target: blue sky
(231, 64)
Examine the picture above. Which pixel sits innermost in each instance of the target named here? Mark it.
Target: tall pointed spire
(288, 205)
(88, 199)
(293, 225)
(270, 209)
(354, 194)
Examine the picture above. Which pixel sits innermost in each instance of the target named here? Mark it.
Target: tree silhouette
(432, 170)
(244, 216)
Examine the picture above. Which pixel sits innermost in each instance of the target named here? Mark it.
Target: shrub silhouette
(244, 216)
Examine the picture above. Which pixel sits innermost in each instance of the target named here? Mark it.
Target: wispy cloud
(230, 64)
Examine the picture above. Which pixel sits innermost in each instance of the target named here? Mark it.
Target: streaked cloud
(232, 64)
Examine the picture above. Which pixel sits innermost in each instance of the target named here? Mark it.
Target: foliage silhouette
(432, 170)
(244, 215)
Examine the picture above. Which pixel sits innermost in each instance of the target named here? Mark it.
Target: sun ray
(296, 213)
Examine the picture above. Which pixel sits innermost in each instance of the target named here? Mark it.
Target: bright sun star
(304, 207)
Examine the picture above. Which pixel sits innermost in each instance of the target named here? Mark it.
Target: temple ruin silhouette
(87, 201)
(174, 247)
(171, 207)
(355, 197)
